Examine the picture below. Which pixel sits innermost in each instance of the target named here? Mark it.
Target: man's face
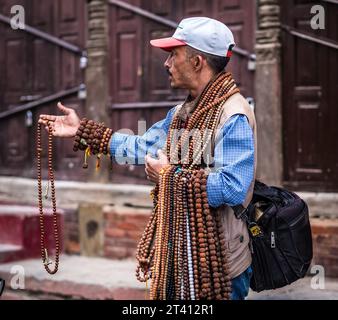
(179, 68)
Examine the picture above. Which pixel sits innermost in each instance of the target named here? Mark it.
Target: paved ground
(300, 290)
(85, 270)
(100, 278)
(78, 277)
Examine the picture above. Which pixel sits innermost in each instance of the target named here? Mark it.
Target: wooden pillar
(268, 93)
(97, 76)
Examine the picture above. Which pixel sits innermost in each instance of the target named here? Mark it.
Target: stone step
(20, 231)
(10, 252)
(78, 278)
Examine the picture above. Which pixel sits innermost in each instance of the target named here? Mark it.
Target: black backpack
(281, 242)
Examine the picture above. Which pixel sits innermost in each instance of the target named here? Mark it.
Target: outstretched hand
(62, 126)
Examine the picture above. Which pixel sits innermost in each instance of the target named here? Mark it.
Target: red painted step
(20, 233)
(10, 252)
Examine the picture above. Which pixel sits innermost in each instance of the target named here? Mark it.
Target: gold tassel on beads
(87, 154)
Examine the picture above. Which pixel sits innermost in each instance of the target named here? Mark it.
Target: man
(199, 51)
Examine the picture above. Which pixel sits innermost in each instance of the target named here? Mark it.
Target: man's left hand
(154, 166)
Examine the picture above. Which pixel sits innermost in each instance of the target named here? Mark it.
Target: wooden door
(310, 95)
(15, 83)
(32, 68)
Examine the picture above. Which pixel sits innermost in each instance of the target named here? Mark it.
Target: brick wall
(325, 245)
(123, 230)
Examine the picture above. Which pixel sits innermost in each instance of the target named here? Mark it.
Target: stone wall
(97, 72)
(268, 93)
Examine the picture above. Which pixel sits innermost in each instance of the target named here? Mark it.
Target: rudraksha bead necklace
(44, 251)
(182, 249)
(93, 138)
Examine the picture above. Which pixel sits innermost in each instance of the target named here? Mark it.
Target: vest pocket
(235, 244)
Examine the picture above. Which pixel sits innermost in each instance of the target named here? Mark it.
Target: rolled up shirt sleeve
(131, 149)
(234, 163)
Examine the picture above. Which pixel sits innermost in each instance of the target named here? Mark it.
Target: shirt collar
(187, 108)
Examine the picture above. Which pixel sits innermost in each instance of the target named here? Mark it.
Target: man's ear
(198, 62)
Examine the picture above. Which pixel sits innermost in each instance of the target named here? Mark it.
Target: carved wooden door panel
(15, 85)
(32, 68)
(310, 95)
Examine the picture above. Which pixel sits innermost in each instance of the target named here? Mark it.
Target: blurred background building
(95, 57)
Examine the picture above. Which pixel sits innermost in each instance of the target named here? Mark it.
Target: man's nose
(167, 63)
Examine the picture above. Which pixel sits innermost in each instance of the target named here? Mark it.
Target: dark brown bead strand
(94, 136)
(202, 237)
(145, 252)
(44, 252)
(214, 247)
(183, 249)
(200, 110)
(226, 290)
(210, 235)
(212, 101)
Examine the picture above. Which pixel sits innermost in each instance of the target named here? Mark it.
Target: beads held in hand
(44, 252)
(93, 138)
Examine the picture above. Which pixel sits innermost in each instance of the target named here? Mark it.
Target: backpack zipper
(273, 240)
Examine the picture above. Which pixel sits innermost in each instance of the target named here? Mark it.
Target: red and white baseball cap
(204, 34)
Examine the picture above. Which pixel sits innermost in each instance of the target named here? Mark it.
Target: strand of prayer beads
(182, 249)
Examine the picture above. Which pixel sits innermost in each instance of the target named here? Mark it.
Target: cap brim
(167, 44)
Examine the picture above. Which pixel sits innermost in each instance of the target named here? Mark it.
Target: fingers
(162, 160)
(162, 157)
(147, 159)
(44, 118)
(150, 161)
(44, 122)
(64, 109)
(47, 124)
(151, 175)
(149, 171)
(152, 179)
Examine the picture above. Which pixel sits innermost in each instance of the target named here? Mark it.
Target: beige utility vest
(236, 233)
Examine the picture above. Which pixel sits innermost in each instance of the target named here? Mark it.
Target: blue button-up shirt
(234, 151)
